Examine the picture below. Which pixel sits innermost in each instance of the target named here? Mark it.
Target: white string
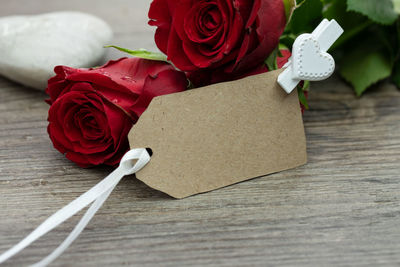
(77, 230)
(96, 195)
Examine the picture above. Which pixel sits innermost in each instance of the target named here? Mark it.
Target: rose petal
(161, 19)
(167, 82)
(269, 30)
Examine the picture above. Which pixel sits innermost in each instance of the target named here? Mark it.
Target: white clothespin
(310, 60)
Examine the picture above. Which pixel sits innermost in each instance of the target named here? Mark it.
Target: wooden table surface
(341, 209)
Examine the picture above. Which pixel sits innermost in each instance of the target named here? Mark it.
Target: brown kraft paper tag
(219, 135)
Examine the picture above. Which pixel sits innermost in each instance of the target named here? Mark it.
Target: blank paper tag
(215, 136)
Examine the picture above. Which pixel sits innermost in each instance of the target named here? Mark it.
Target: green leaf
(380, 11)
(396, 74)
(271, 61)
(351, 32)
(306, 16)
(398, 30)
(141, 53)
(289, 8)
(364, 63)
(287, 40)
(396, 4)
(302, 96)
(352, 23)
(306, 86)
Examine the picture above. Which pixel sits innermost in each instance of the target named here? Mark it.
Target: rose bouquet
(203, 42)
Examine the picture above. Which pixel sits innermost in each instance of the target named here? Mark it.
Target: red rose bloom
(93, 110)
(262, 68)
(217, 36)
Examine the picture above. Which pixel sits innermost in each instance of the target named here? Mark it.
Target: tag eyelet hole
(150, 151)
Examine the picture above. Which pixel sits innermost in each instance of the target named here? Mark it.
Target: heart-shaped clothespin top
(310, 60)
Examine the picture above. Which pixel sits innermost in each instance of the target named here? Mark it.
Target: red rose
(93, 110)
(199, 78)
(217, 36)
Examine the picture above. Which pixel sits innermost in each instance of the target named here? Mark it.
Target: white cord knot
(128, 164)
(96, 196)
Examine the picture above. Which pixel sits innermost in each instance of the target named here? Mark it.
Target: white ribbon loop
(96, 195)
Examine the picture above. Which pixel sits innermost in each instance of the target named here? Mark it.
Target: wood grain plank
(341, 209)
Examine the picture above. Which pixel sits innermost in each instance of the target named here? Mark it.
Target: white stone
(31, 46)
